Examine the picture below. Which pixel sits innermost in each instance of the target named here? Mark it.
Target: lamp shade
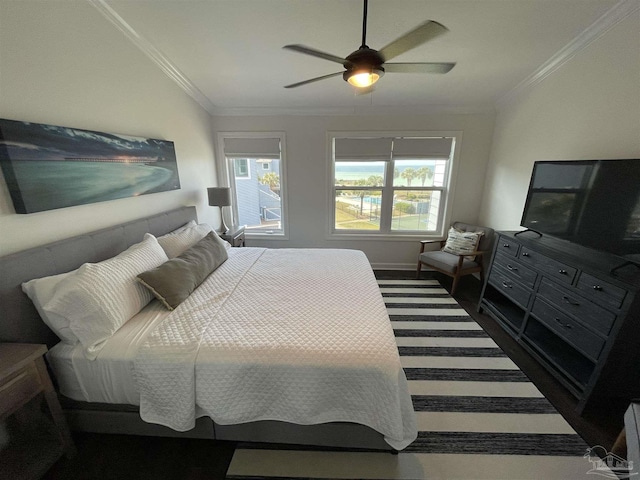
(363, 76)
(219, 196)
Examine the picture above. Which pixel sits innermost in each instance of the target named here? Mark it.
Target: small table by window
(24, 376)
(235, 235)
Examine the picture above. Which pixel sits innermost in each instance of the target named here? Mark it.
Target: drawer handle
(513, 269)
(525, 254)
(507, 285)
(563, 325)
(506, 245)
(562, 272)
(597, 288)
(570, 301)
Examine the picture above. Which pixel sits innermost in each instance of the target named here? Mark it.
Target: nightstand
(23, 376)
(234, 235)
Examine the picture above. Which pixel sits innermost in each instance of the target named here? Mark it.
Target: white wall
(588, 109)
(307, 173)
(63, 63)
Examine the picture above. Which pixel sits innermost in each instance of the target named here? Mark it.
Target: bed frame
(20, 322)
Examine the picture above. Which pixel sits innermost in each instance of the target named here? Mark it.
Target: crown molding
(154, 54)
(608, 20)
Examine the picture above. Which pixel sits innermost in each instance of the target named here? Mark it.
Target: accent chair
(457, 255)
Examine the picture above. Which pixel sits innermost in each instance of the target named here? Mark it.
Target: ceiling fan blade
(422, 33)
(418, 67)
(311, 80)
(315, 53)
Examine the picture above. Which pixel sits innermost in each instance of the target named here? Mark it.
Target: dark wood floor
(123, 457)
(132, 457)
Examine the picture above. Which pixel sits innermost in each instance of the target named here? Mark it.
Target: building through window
(241, 167)
(254, 166)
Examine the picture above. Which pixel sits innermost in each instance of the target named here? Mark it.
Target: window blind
(417, 148)
(372, 149)
(252, 148)
(362, 149)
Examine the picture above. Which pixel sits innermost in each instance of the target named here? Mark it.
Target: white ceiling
(228, 53)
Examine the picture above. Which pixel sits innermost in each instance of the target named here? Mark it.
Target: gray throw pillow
(173, 281)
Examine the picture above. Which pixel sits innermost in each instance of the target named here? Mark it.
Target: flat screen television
(594, 203)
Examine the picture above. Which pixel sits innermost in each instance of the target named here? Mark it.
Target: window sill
(266, 236)
(407, 237)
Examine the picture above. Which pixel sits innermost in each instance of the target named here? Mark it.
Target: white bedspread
(297, 335)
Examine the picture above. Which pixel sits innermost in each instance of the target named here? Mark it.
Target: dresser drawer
(600, 291)
(549, 266)
(524, 275)
(510, 287)
(507, 246)
(566, 327)
(569, 302)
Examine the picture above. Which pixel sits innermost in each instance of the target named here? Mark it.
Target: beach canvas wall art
(48, 167)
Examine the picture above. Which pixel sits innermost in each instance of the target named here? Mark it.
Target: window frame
(226, 180)
(385, 232)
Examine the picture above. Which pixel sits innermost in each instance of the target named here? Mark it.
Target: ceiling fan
(365, 66)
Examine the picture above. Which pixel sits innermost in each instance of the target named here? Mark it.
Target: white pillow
(176, 242)
(41, 291)
(461, 243)
(101, 297)
(166, 241)
(189, 224)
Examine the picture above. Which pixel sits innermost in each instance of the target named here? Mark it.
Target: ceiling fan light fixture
(363, 77)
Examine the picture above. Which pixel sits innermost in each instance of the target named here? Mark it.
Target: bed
(276, 345)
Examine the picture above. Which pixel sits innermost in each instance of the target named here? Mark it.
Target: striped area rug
(479, 416)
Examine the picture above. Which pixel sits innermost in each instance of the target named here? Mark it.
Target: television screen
(595, 203)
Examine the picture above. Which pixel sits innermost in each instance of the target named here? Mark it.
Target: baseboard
(394, 266)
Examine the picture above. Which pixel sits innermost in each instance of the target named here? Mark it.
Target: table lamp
(220, 197)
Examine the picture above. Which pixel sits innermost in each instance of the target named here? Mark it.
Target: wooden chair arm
(425, 242)
(476, 253)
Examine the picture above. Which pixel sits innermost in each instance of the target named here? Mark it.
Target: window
(241, 167)
(393, 185)
(254, 168)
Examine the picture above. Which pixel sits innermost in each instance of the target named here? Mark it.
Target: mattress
(109, 378)
(294, 335)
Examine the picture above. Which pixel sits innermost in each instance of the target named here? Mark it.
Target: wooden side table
(234, 235)
(23, 376)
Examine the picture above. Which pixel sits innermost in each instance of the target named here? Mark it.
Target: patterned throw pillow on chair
(459, 243)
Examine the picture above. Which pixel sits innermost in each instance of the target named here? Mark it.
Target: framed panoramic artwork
(48, 167)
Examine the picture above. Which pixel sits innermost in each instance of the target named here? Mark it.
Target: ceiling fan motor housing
(363, 60)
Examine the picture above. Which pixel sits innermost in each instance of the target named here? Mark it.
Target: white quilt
(297, 335)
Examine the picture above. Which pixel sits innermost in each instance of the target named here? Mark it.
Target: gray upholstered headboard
(19, 320)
